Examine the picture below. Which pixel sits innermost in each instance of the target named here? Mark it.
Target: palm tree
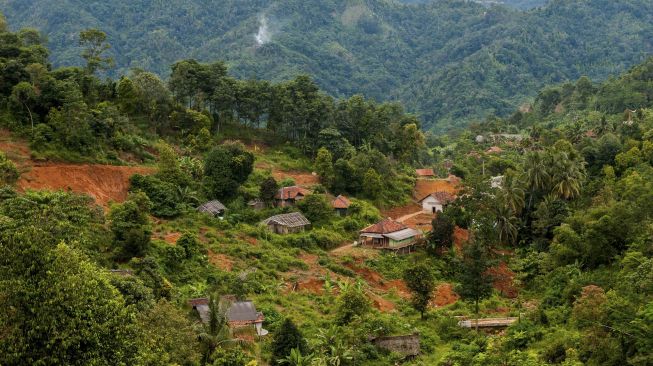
(512, 193)
(217, 332)
(506, 225)
(567, 176)
(536, 174)
(332, 348)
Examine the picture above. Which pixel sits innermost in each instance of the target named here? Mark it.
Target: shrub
(8, 171)
(163, 195)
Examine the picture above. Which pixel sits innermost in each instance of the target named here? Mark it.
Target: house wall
(341, 212)
(399, 243)
(431, 203)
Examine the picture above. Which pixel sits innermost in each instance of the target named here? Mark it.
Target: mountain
(451, 61)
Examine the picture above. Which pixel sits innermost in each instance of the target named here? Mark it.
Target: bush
(163, 195)
(8, 172)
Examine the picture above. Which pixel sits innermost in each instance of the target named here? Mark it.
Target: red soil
(425, 187)
(312, 285)
(300, 178)
(397, 212)
(221, 261)
(444, 295)
(460, 236)
(377, 282)
(105, 183)
(504, 280)
(421, 222)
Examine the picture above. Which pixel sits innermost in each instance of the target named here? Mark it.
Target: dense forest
(450, 61)
(551, 227)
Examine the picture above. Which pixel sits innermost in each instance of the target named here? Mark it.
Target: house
(256, 204)
(425, 173)
(390, 235)
(239, 313)
(201, 305)
(289, 196)
(436, 201)
(293, 222)
(341, 205)
(215, 208)
(242, 314)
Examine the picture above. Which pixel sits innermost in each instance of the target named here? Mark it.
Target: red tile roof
(341, 202)
(384, 226)
(425, 172)
(290, 193)
(442, 197)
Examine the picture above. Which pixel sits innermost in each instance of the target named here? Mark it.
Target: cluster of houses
(387, 234)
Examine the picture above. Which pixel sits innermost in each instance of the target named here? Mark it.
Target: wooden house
(215, 208)
(425, 173)
(289, 223)
(341, 205)
(289, 196)
(241, 314)
(389, 234)
(436, 201)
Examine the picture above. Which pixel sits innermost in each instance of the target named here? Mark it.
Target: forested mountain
(449, 60)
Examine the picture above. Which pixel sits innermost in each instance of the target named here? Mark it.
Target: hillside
(451, 61)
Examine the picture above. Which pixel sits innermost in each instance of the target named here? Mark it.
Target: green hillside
(451, 61)
(545, 233)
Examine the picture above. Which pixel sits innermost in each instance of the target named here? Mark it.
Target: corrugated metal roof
(290, 193)
(213, 207)
(242, 311)
(403, 234)
(293, 219)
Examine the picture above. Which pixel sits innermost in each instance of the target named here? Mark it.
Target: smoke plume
(264, 35)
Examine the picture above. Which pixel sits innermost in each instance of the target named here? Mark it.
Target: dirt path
(409, 216)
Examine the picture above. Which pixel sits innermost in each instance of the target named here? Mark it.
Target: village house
(289, 223)
(239, 314)
(389, 234)
(289, 196)
(436, 201)
(341, 205)
(425, 173)
(215, 208)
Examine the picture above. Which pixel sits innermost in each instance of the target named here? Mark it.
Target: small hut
(289, 196)
(341, 205)
(289, 223)
(436, 201)
(201, 305)
(215, 208)
(243, 314)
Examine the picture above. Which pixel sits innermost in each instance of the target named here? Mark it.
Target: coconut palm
(512, 193)
(217, 333)
(507, 225)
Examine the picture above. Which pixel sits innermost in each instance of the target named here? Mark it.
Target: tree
(295, 358)
(287, 338)
(225, 168)
(23, 93)
(421, 282)
(324, 167)
(268, 189)
(352, 302)
(441, 237)
(94, 44)
(217, 334)
(372, 184)
(475, 283)
(130, 224)
(317, 208)
(60, 308)
(168, 164)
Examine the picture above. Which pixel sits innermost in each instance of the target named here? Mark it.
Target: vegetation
(551, 224)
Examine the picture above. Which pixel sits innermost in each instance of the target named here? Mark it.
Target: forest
(551, 225)
(452, 62)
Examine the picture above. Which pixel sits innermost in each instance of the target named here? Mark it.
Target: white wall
(430, 203)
